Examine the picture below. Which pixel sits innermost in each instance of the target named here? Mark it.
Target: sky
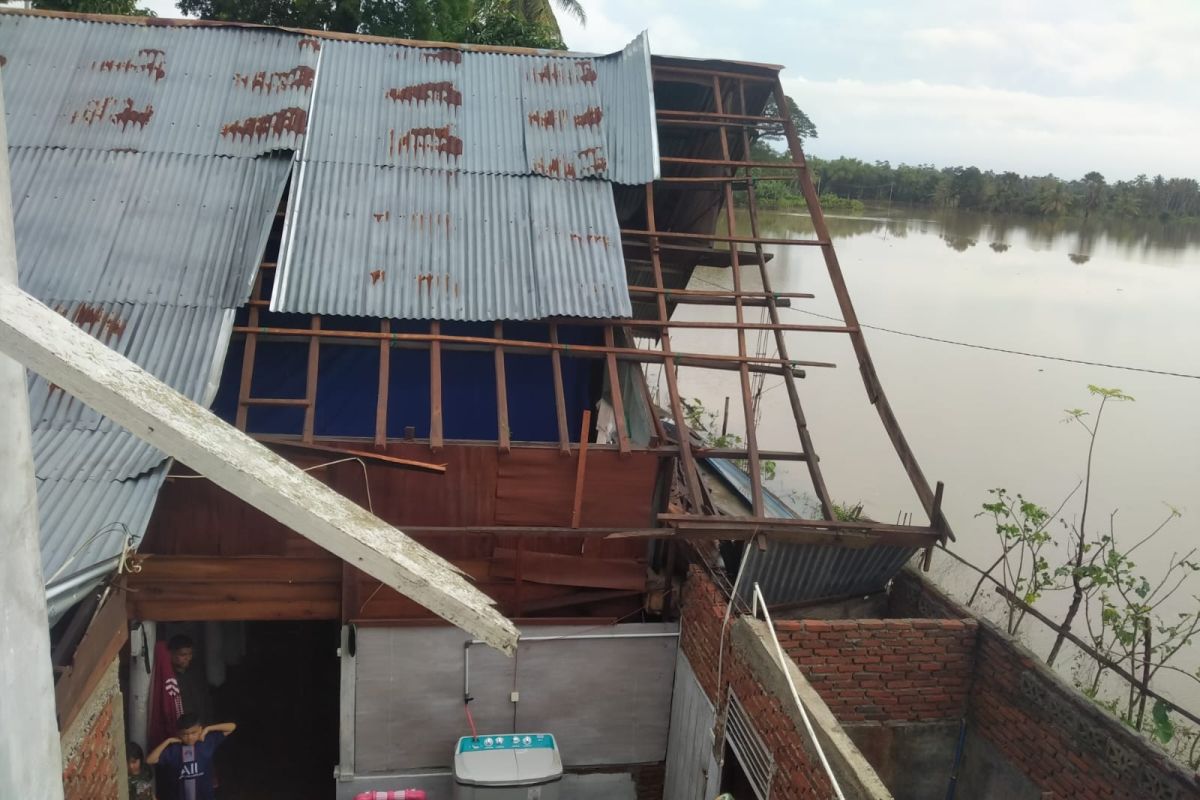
(1057, 86)
(1037, 87)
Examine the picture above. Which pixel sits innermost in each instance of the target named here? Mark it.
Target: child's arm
(221, 727)
(156, 753)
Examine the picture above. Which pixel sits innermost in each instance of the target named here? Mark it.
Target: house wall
(93, 746)
(798, 774)
(607, 700)
(885, 670)
(1033, 736)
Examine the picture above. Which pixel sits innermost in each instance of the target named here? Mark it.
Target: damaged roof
(148, 161)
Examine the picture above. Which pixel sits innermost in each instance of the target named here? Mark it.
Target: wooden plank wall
(229, 561)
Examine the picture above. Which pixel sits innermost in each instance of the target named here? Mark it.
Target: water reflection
(1131, 238)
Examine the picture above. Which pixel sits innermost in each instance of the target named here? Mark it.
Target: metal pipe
(784, 663)
(31, 758)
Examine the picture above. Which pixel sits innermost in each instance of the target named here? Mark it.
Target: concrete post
(30, 757)
(141, 668)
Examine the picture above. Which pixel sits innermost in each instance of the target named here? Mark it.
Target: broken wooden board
(112, 384)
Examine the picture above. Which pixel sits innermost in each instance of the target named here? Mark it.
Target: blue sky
(1062, 86)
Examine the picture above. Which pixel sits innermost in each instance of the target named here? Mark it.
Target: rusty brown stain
(94, 111)
(434, 91)
(287, 120)
(589, 118)
(87, 315)
(575, 237)
(446, 55)
(439, 139)
(300, 77)
(569, 170)
(599, 163)
(3, 61)
(547, 74)
(131, 116)
(154, 64)
(310, 43)
(593, 238)
(587, 72)
(376, 276)
(546, 119)
(382, 216)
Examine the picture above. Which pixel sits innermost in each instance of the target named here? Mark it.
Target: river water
(976, 419)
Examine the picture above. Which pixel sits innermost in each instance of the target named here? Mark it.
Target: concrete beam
(30, 757)
(751, 638)
(66, 356)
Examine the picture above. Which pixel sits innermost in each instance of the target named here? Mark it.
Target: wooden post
(560, 401)
(385, 371)
(503, 434)
(581, 468)
(249, 347)
(116, 387)
(435, 387)
(756, 490)
(614, 382)
(310, 388)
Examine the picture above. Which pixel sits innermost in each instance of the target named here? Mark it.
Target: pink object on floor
(396, 794)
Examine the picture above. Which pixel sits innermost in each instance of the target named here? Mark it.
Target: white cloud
(999, 129)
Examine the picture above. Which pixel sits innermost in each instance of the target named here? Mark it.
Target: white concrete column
(30, 756)
(141, 669)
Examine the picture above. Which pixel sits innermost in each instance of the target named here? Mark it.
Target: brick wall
(1057, 738)
(93, 747)
(703, 610)
(891, 670)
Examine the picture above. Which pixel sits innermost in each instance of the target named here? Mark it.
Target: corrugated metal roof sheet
(85, 522)
(246, 92)
(565, 116)
(794, 573)
(197, 91)
(424, 244)
(156, 228)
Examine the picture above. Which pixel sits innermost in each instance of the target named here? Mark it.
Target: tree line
(511, 23)
(973, 189)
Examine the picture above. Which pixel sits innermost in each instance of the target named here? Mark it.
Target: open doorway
(283, 695)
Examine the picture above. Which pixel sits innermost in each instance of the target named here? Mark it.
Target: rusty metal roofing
(195, 91)
(562, 116)
(155, 228)
(245, 92)
(422, 244)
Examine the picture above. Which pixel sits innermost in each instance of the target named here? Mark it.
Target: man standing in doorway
(193, 687)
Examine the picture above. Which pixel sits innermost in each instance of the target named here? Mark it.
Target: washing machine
(507, 766)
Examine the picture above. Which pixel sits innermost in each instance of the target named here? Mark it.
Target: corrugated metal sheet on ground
(151, 228)
(423, 244)
(563, 116)
(183, 347)
(793, 573)
(199, 91)
(84, 522)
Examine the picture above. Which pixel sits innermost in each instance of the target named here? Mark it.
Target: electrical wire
(973, 346)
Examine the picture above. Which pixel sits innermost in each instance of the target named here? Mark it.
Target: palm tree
(541, 12)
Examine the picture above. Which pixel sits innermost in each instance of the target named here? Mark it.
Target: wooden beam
(279, 441)
(581, 467)
(435, 387)
(503, 433)
(618, 401)
(560, 401)
(310, 381)
(53, 347)
(556, 569)
(105, 637)
(385, 371)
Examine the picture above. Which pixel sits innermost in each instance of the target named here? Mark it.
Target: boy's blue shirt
(192, 776)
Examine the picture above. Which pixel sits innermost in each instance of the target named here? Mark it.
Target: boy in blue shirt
(187, 759)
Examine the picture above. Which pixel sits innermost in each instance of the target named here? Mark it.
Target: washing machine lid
(508, 759)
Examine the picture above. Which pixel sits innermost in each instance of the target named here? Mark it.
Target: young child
(141, 777)
(188, 758)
